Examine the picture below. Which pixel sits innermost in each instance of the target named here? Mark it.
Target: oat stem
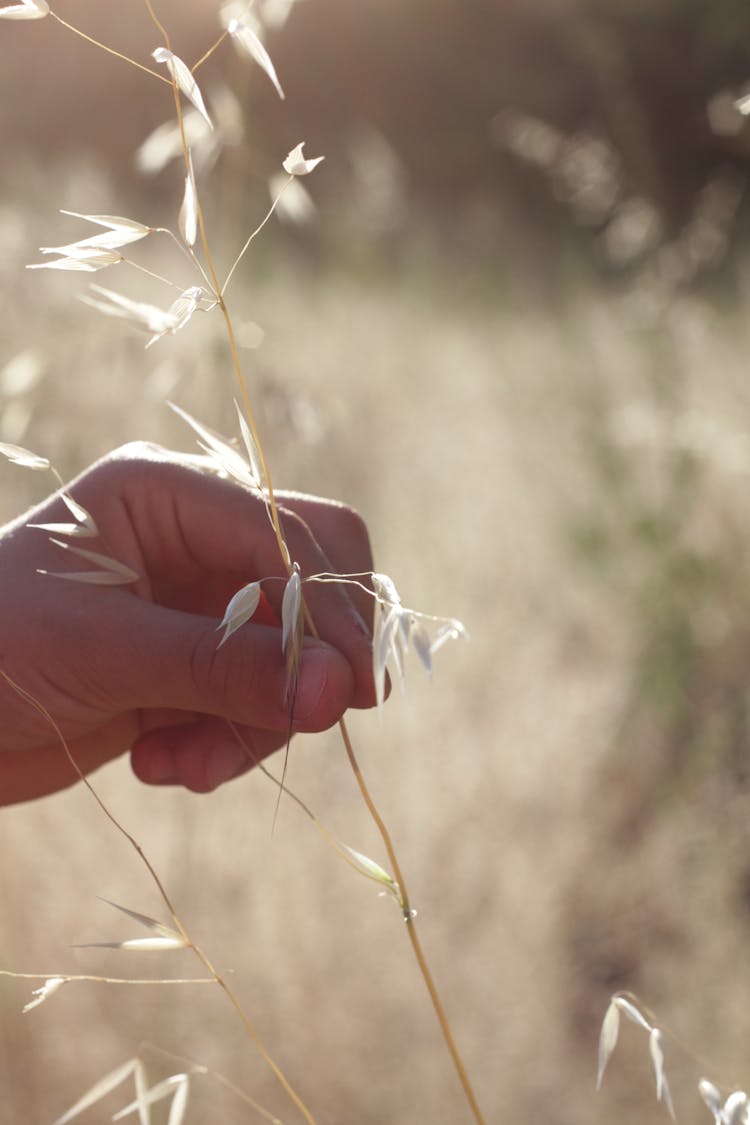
(367, 798)
(257, 231)
(217, 977)
(150, 273)
(411, 928)
(207, 54)
(109, 50)
(200, 1068)
(67, 977)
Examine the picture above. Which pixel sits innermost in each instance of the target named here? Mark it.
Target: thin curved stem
(257, 231)
(207, 54)
(364, 791)
(109, 50)
(71, 977)
(411, 928)
(217, 977)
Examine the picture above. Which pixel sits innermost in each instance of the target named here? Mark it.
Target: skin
(137, 668)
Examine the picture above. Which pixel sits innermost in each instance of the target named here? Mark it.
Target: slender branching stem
(176, 920)
(207, 54)
(367, 798)
(257, 231)
(201, 1069)
(250, 1029)
(150, 273)
(67, 977)
(109, 50)
(411, 927)
(211, 277)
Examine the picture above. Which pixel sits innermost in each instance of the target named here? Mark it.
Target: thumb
(179, 664)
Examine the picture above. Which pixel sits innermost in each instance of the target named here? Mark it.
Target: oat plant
(732, 1108)
(105, 241)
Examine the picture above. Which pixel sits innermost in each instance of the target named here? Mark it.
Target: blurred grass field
(569, 797)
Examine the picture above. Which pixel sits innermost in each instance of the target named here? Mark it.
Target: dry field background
(569, 796)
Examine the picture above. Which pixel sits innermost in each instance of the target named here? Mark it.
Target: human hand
(138, 667)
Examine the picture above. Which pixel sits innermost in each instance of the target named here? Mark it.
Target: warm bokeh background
(515, 335)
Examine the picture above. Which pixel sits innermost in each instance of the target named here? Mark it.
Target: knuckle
(137, 451)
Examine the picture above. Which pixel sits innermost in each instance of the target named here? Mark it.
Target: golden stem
(209, 52)
(109, 50)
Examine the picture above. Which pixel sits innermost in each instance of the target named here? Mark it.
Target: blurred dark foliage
(520, 124)
(442, 79)
(433, 75)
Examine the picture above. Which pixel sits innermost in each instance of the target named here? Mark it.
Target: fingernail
(224, 763)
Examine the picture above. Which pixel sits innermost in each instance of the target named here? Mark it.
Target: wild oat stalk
(397, 628)
(179, 936)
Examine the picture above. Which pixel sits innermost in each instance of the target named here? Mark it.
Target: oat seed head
(177, 1086)
(189, 209)
(26, 10)
(163, 937)
(292, 629)
(99, 1090)
(656, 1051)
(225, 456)
(88, 259)
(112, 573)
(607, 1039)
(240, 609)
(181, 74)
(249, 42)
(49, 988)
(298, 165)
(17, 455)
